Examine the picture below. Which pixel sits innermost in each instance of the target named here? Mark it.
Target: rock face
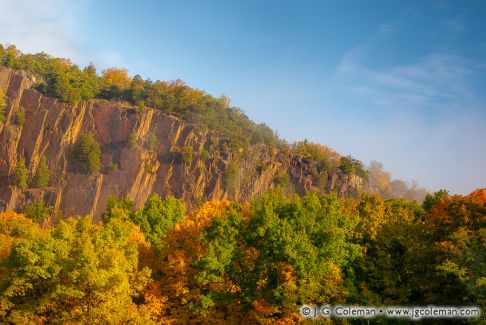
(153, 164)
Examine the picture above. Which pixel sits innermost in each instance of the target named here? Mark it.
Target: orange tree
(456, 227)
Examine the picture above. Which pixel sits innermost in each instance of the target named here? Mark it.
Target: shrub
(318, 153)
(149, 168)
(21, 174)
(42, 174)
(350, 166)
(112, 166)
(231, 178)
(186, 155)
(261, 167)
(152, 142)
(132, 139)
(19, 118)
(2, 106)
(87, 151)
(140, 108)
(346, 165)
(38, 211)
(282, 179)
(205, 155)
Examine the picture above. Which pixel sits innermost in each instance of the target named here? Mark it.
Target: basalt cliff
(134, 170)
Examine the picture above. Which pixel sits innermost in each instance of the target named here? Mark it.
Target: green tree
(231, 178)
(2, 106)
(289, 250)
(350, 166)
(391, 270)
(19, 117)
(118, 208)
(87, 151)
(42, 174)
(89, 84)
(37, 211)
(11, 57)
(158, 215)
(186, 155)
(64, 80)
(21, 174)
(152, 142)
(137, 92)
(346, 165)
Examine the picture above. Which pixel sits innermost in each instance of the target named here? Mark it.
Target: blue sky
(403, 83)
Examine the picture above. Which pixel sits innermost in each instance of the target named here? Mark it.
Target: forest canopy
(258, 261)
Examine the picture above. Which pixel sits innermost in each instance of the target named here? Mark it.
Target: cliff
(212, 170)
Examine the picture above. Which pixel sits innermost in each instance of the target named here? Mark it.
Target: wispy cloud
(428, 82)
(51, 26)
(432, 108)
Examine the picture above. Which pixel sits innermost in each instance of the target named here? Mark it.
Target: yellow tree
(116, 77)
(77, 272)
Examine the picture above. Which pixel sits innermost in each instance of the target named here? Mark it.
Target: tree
(64, 80)
(269, 258)
(19, 118)
(432, 200)
(181, 247)
(231, 179)
(14, 227)
(132, 139)
(350, 166)
(37, 211)
(346, 165)
(2, 106)
(11, 57)
(152, 142)
(324, 156)
(21, 174)
(89, 87)
(455, 263)
(42, 174)
(117, 78)
(78, 272)
(118, 208)
(158, 216)
(371, 211)
(137, 90)
(186, 155)
(87, 152)
(390, 271)
(380, 179)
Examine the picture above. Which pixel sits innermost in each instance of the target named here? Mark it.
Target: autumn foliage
(252, 263)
